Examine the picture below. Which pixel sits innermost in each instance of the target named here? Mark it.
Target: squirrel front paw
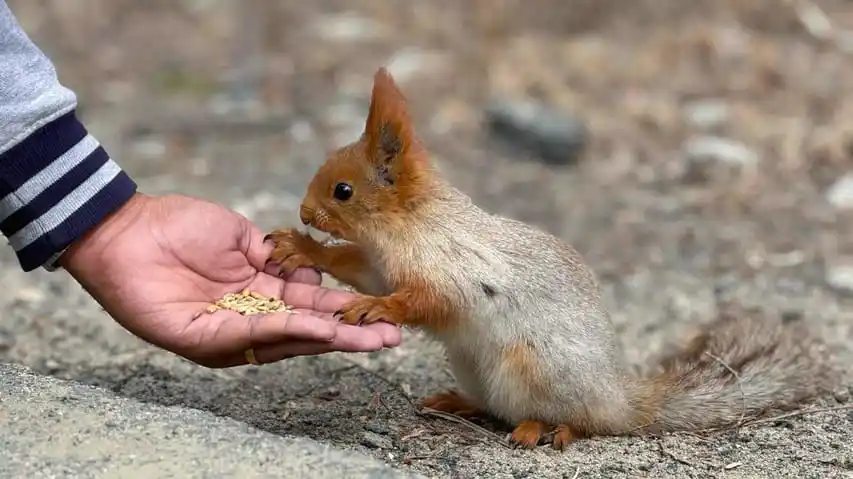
(291, 250)
(368, 309)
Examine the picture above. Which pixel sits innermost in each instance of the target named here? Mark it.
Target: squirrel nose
(306, 215)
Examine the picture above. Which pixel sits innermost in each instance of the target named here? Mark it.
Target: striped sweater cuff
(55, 185)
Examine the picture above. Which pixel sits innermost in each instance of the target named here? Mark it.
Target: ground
(715, 136)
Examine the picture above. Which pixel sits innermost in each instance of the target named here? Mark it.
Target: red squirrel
(518, 311)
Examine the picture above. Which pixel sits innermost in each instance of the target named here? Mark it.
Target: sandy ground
(240, 104)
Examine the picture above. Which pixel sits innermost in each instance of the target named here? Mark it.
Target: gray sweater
(56, 181)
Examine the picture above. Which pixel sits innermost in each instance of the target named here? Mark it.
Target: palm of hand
(160, 269)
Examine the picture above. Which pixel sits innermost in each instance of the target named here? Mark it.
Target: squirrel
(517, 310)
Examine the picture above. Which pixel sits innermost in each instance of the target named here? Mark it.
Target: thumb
(252, 243)
(258, 251)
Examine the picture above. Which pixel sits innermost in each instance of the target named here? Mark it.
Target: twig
(426, 412)
(577, 471)
(672, 456)
(802, 412)
(818, 24)
(335, 374)
(813, 18)
(459, 420)
(797, 413)
(739, 385)
(386, 381)
(408, 460)
(418, 433)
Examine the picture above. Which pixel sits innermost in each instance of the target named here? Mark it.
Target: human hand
(159, 261)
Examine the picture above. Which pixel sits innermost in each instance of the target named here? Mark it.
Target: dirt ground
(239, 101)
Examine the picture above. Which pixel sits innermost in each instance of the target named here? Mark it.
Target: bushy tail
(738, 367)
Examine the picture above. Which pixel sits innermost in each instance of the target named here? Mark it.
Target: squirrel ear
(388, 129)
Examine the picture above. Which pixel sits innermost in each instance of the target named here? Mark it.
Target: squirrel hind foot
(528, 434)
(451, 402)
(563, 435)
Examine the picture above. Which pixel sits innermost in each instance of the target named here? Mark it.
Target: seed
(248, 303)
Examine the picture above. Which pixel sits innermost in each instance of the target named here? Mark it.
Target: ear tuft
(388, 128)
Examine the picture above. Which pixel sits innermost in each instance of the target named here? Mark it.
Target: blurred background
(692, 151)
(663, 130)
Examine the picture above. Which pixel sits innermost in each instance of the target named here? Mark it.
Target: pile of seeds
(247, 303)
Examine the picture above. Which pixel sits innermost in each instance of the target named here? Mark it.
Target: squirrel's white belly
(478, 358)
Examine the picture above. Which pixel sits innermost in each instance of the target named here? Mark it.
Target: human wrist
(87, 253)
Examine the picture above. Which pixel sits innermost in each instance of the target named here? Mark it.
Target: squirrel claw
(563, 435)
(365, 310)
(290, 252)
(528, 433)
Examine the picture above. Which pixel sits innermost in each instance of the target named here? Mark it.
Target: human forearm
(56, 181)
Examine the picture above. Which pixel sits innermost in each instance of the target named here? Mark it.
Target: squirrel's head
(375, 181)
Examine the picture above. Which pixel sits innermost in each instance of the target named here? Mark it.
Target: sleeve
(56, 180)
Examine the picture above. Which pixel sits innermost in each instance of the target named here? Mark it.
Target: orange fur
(451, 402)
(413, 304)
(406, 227)
(390, 175)
(523, 360)
(387, 167)
(528, 433)
(347, 263)
(562, 437)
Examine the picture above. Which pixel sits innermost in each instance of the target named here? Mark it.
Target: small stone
(840, 194)
(406, 63)
(840, 278)
(703, 148)
(347, 27)
(377, 427)
(711, 158)
(376, 441)
(149, 147)
(554, 136)
(707, 114)
(6, 341)
(30, 295)
(51, 365)
(842, 395)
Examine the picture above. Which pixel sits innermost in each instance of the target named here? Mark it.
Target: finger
(304, 276)
(317, 298)
(257, 250)
(237, 333)
(350, 339)
(391, 335)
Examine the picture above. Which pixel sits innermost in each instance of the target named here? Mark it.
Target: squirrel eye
(342, 192)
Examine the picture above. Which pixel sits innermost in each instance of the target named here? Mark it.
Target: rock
(554, 136)
(377, 427)
(704, 148)
(840, 278)
(840, 194)
(405, 64)
(347, 27)
(376, 441)
(149, 147)
(707, 114)
(711, 157)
